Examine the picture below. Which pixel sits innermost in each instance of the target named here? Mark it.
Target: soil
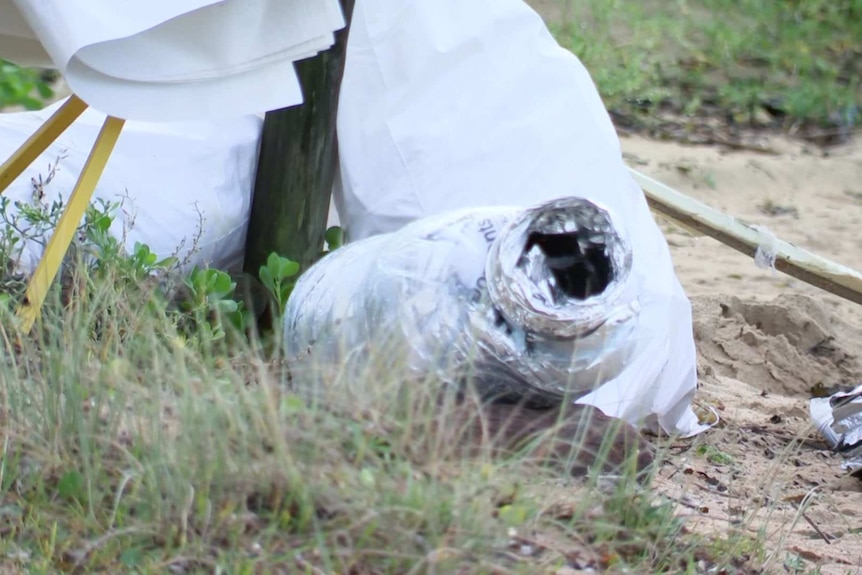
(766, 344)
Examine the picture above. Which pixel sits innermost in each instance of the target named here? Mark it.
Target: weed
(210, 301)
(277, 276)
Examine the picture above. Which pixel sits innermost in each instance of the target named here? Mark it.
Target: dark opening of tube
(580, 270)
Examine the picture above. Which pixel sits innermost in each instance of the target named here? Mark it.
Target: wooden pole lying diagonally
(801, 264)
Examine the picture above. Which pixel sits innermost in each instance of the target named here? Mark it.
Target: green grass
(136, 438)
(789, 64)
(125, 449)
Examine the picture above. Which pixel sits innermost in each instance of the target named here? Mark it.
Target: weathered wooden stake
(297, 162)
(801, 264)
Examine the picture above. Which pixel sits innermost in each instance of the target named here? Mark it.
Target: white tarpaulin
(172, 60)
(447, 104)
(171, 178)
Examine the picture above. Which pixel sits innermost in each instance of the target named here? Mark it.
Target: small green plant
(212, 301)
(206, 301)
(278, 276)
(31, 223)
(106, 252)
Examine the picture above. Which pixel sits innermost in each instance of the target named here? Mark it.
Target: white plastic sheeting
(172, 60)
(173, 178)
(447, 104)
(533, 304)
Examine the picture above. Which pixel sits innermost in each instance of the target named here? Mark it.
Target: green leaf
(222, 283)
(45, 90)
(208, 278)
(33, 103)
(288, 268)
(227, 306)
(272, 261)
(191, 281)
(266, 278)
(103, 223)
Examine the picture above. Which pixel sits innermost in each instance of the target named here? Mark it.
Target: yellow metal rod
(39, 141)
(49, 265)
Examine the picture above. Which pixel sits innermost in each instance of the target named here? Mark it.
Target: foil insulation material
(537, 303)
(838, 418)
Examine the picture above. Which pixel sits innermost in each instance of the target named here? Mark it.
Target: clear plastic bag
(535, 304)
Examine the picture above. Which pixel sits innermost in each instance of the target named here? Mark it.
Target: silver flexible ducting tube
(536, 303)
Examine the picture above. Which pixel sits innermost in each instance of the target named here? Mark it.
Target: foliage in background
(793, 64)
(24, 87)
(789, 64)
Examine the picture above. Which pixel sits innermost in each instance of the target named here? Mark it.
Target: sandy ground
(764, 341)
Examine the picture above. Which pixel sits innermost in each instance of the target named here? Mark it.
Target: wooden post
(297, 162)
(801, 264)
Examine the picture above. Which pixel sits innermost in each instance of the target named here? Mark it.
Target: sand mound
(764, 453)
(786, 346)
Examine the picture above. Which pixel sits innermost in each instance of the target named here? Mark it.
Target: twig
(814, 526)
